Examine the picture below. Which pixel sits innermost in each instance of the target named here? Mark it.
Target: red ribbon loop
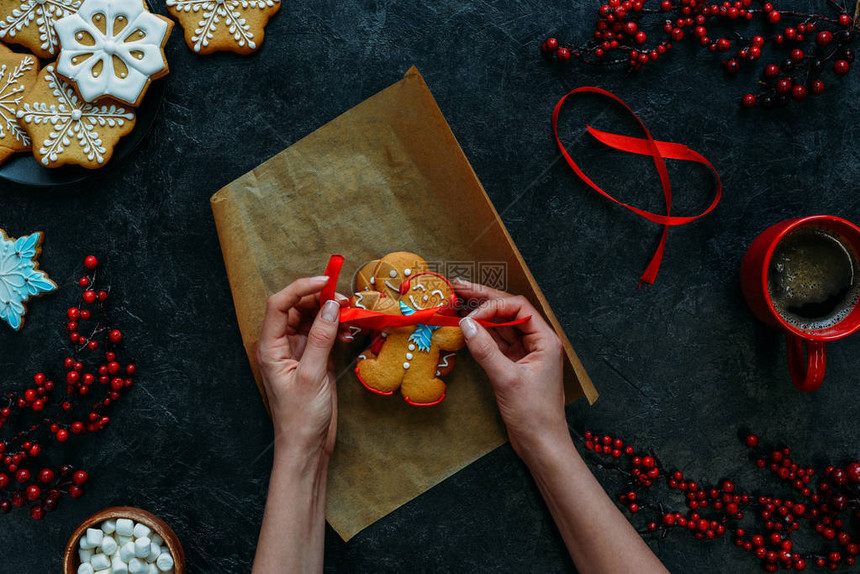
(377, 321)
(643, 146)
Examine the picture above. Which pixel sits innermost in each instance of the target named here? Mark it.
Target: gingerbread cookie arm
(449, 338)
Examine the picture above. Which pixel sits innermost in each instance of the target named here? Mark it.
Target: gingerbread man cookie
(409, 358)
(17, 73)
(223, 25)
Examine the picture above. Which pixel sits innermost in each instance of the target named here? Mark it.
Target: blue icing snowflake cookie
(20, 276)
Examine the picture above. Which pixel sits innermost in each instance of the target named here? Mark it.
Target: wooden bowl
(71, 560)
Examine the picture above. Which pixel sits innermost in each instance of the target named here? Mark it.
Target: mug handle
(807, 375)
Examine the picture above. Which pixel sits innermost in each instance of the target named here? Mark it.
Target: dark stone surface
(680, 366)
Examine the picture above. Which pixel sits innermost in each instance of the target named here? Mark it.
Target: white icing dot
(122, 75)
(384, 335)
(373, 280)
(407, 272)
(411, 347)
(438, 373)
(405, 365)
(76, 115)
(392, 274)
(425, 298)
(80, 36)
(408, 356)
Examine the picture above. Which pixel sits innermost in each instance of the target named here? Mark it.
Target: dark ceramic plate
(24, 169)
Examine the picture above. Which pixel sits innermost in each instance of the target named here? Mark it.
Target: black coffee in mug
(813, 278)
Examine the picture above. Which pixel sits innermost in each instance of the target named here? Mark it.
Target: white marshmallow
(126, 552)
(85, 544)
(118, 566)
(85, 555)
(124, 527)
(165, 562)
(142, 530)
(85, 568)
(141, 547)
(109, 526)
(95, 536)
(137, 566)
(154, 552)
(109, 545)
(100, 562)
(156, 539)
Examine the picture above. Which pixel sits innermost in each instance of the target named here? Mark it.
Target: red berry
(844, 20)
(32, 493)
(37, 513)
(824, 38)
(797, 55)
(771, 71)
(80, 477)
(841, 67)
(783, 87)
(63, 434)
(640, 38)
(89, 296)
(665, 5)
(551, 45)
(677, 35)
(91, 262)
(22, 476)
(563, 54)
(724, 45)
(46, 475)
(798, 93)
(817, 87)
(73, 314)
(774, 16)
(76, 491)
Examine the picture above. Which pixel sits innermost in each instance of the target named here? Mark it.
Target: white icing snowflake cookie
(20, 276)
(113, 48)
(31, 23)
(70, 130)
(223, 25)
(17, 73)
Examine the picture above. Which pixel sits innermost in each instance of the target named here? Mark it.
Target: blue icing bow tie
(423, 334)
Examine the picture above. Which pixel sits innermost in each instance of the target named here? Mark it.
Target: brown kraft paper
(388, 175)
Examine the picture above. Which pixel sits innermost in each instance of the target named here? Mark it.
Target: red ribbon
(642, 146)
(377, 321)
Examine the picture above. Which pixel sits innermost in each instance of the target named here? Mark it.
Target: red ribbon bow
(642, 146)
(377, 321)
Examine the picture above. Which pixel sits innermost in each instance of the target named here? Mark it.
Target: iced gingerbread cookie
(20, 276)
(410, 358)
(31, 23)
(385, 275)
(17, 73)
(67, 130)
(113, 48)
(223, 25)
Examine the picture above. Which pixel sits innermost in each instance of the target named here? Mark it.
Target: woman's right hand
(524, 364)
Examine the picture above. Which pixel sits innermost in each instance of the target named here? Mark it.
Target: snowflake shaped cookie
(71, 130)
(20, 276)
(17, 73)
(113, 48)
(31, 23)
(223, 25)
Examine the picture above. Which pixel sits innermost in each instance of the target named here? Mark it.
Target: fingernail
(460, 280)
(330, 310)
(469, 327)
(320, 278)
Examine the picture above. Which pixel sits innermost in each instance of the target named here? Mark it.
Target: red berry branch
(829, 508)
(41, 418)
(805, 49)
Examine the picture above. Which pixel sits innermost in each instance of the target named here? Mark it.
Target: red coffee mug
(806, 374)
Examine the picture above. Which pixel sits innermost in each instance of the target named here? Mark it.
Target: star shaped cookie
(223, 25)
